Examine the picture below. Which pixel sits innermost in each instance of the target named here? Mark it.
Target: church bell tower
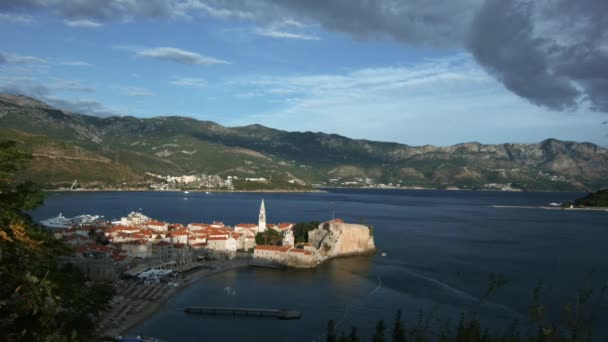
(262, 218)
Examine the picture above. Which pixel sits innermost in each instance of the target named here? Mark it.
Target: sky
(411, 71)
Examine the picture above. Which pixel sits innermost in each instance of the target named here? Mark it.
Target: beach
(135, 302)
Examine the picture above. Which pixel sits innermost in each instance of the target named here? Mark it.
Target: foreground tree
(398, 329)
(40, 299)
(379, 333)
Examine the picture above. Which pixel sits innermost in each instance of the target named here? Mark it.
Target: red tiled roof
(179, 245)
(298, 250)
(155, 223)
(285, 225)
(246, 225)
(217, 238)
(179, 233)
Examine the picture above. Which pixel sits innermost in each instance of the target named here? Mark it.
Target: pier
(252, 312)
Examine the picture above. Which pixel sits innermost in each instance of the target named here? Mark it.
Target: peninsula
(148, 259)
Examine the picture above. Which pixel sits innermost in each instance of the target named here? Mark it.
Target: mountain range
(119, 151)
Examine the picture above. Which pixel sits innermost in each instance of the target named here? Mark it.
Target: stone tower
(262, 218)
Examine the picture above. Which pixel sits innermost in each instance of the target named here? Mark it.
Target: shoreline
(315, 190)
(548, 208)
(181, 191)
(153, 307)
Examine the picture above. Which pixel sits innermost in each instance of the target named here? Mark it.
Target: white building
(288, 239)
(222, 243)
(262, 218)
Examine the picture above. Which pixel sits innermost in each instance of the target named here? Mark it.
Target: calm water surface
(441, 249)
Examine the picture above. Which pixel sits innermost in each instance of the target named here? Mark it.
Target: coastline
(549, 208)
(153, 307)
(315, 190)
(181, 191)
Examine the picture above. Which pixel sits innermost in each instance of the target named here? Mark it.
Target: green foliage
(379, 333)
(301, 229)
(594, 199)
(331, 331)
(40, 300)
(354, 335)
(398, 328)
(269, 237)
(576, 326)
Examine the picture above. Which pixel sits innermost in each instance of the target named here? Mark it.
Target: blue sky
(283, 70)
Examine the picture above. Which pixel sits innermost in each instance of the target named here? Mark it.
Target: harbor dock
(253, 312)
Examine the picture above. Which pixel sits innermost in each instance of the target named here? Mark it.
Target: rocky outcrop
(336, 238)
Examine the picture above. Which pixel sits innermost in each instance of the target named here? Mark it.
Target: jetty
(252, 312)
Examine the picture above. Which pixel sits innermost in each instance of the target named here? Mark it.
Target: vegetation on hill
(41, 299)
(594, 199)
(183, 146)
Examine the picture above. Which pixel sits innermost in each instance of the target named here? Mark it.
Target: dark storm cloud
(551, 52)
(550, 55)
(414, 21)
(502, 40)
(93, 9)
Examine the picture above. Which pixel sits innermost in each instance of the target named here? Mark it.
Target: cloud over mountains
(551, 52)
(180, 56)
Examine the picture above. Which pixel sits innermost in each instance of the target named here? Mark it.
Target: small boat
(186, 192)
(207, 193)
(383, 254)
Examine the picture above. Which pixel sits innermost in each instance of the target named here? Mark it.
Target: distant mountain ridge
(180, 145)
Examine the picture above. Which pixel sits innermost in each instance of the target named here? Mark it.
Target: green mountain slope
(181, 146)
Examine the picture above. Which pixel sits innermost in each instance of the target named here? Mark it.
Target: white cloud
(441, 101)
(275, 33)
(179, 56)
(85, 23)
(189, 82)
(75, 63)
(280, 30)
(15, 18)
(187, 7)
(71, 85)
(19, 59)
(135, 91)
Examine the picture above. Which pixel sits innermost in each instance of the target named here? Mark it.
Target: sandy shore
(153, 306)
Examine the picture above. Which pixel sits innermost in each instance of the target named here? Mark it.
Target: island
(598, 199)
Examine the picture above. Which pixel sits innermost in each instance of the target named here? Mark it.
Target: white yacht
(61, 221)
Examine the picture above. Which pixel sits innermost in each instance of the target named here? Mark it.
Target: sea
(441, 255)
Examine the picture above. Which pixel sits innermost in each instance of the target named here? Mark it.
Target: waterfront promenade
(134, 302)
